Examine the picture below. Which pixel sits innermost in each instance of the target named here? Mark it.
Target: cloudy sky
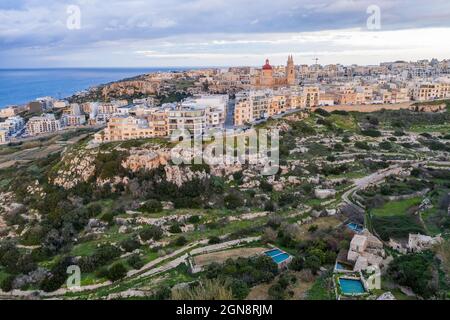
(152, 33)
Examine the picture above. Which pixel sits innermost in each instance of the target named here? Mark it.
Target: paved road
(371, 179)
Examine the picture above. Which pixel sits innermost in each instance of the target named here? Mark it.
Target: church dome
(267, 66)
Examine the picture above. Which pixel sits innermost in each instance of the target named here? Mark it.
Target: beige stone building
(124, 128)
(426, 92)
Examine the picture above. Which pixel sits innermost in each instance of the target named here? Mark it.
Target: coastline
(21, 86)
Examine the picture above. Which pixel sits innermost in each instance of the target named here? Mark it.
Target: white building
(187, 118)
(44, 124)
(12, 125)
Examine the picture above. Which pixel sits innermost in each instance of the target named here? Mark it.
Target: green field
(396, 208)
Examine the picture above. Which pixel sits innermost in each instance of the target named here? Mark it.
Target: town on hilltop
(93, 207)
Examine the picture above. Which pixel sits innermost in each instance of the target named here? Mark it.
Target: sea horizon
(19, 86)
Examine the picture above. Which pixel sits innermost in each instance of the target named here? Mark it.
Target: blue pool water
(273, 252)
(339, 266)
(355, 227)
(277, 255)
(280, 258)
(351, 286)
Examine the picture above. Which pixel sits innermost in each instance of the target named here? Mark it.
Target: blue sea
(19, 86)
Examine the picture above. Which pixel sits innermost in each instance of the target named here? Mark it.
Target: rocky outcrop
(179, 174)
(146, 159)
(75, 167)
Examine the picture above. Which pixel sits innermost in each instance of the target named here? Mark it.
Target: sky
(202, 33)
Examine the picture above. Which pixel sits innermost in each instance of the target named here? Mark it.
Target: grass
(344, 122)
(396, 208)
(321, 289)
(3, 275)
(428, 217)
(86, 248)
(442, 128)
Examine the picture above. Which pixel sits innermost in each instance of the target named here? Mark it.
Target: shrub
(7, 283)
(117, 272)
(371, 133)
(194, 219)
(265, 186)
(240, 289)
(362, 145)
(233, 201)
(181, 241)
(386, 145)
(214, 240)
(130, 244)
(175, 228)
(135, 262)
(322, 112)
(152, 206)
(151, 232)
(415, 271)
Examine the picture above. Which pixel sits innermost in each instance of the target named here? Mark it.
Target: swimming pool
(351, 286)
(277, 255)
(273, 252)
(280, 258)
(340, 266)
(355, 227)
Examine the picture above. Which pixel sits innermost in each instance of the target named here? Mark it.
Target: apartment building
(159, 123)
(44, 124)
(431, 91)
(121, 128)
(71, 120)
(107, 109)
(187, 118)
(12, 125)
(253, 106)
(312, 96)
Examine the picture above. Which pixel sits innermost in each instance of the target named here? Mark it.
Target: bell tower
(290, 71)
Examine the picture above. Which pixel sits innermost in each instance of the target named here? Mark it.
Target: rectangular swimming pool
(281, 257)
(355, 227)
(277, 255)
(351, 286)
(273, 252)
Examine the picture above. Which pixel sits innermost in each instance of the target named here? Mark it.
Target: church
(268, 79)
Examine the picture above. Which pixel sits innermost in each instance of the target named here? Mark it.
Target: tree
(415, 271)
(233, 201)
(151, 232)
(135, 261)
(117, 272)
(240, 289)
(175, 228)
(130, 244)
(7, 283)
(313, 263)
(152, 206)
(214, 240)
(269, 235)
(181, 241)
